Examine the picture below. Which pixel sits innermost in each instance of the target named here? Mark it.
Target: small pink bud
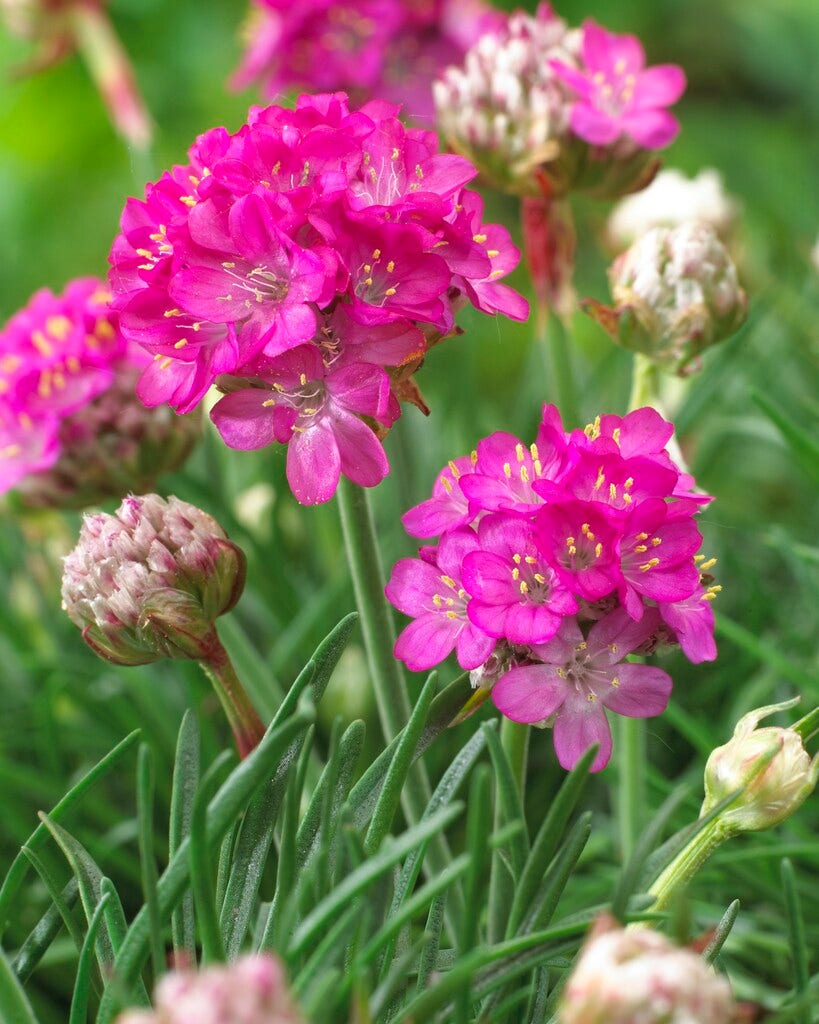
(628, 975)
(150, 581)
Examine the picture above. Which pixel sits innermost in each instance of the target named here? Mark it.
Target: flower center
(451, 599)
(535, 586)
(614, 94)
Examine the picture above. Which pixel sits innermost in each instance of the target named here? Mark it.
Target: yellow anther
(708, 565)
(592, 430)
(530, 560)
(615, 435)
(449, 582)
(516, 574)
(598, 550)
(266, 404)
(628, 484)
(581, 646)
(73, 364)
(452, 615)
(492, 253)
(480, 239)
(396, 153)
(419, 172)
(368, 281)
(572, 550)
(698, 558)
(601, 479)
(473, 457)
(537, 467)
(450, 601)
(368, 267)
(620, 66)
(540, 577)
(615, 680)
(41, 343)
(586, 530)
(520, 452)
(390, 292)
(391, 266)
(649, 564)
(165, 363)
(708, 596)
(228, 265)
(187, 200)
(591, 698)
(613, 648)
(533, 451)
(640, 549)
(376, 254)
(462, 593)
(104, 330)
(172, 312)
(26, 421)
(613, 492)
(524, 587)
(524, 474)
(437, 600)
(562, 673)
(507, 470)
(516, 558)
(276, 167)
(181, 343)
(10, 451)
(641, 536)
(59, 327)
(446, 484)
(569, 541)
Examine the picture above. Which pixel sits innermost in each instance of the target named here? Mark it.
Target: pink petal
(659, 86)
(243, 420)
(643, 691)
(412, 585)
(473, 647)
(579, 725)
(313, 464)
(529, 693)
(653, 129)
(592, 125)
(361, 388)
(363, 459)
(604, 51)
(427, 641)
(573, 78)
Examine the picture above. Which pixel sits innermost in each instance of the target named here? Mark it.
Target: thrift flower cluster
(71, 429)
(555, 562)
(305, 264)
(537, 104)
(251, 991)
(391, 49)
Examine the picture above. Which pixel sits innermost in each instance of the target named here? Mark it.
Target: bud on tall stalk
(149, 582)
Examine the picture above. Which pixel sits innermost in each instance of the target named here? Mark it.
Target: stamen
(649, 564)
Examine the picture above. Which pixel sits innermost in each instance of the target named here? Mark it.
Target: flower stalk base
(248, 728)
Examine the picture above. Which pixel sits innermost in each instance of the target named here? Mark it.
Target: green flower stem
(645, 381)
(687, 863)
(247, 727)
(630, 736)
(515, 741)
(552, 337)
(391, 695)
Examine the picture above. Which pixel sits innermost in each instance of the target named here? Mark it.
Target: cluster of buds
(555, 562)
(304, 265)
(253, 990)
(391, 49)
(670, 200)
(626, 976)
(58, 27)
(72, 431)
(149, 582)
(676, 293)
(545, 109)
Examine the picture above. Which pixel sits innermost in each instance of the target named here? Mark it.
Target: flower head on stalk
(628, 975)
(58, 27)
(542, 108)
(556, 562)
(149, 583)
(391, 49)
(676, 293)
(253, 990)
(71, 429)
(305, 265)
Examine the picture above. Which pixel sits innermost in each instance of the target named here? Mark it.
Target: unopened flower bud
(149, 581)
(676, 293)
(672, 199)
(251, 991)
(770, 765)
(625, 976)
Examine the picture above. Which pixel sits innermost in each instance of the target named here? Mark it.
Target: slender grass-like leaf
(45, 932)
(14, 1005)
(800, 441)
(396, 776)
(646, 843)
(362, 877)
(478, 827)
(721, 933)
(395, 982)
(796, 935)
(55, 891)
(328, 951)
(507, 795)
(145, 818)
(432, 932)
(556, 878)
(19, 867)
(85, 966)
(232, 796)
(201, 872)
(185, 782)
(547, 840)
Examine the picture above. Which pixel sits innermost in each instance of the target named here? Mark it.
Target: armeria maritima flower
(304, 265)
(71, 429)
(556, 561)
(388, 49)
(253, 990)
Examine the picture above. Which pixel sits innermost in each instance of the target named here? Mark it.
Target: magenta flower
(335, 233)
(432, 593)
(618, 94)
(573, 552)
(515, 593)
(577, 678)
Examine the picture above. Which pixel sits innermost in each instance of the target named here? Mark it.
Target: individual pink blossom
(387, 48)
(618, 94)
(572, 553)
(432, 593)
(253, 990)
(71, 431)
(576, 678)
(337, 234)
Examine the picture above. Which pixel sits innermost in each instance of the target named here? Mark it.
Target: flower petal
(579, 725)
(529, 693)
(594, 126)
(643, 691)
(653, 129)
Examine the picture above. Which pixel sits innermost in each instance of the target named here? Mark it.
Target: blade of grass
(85, 967)
(186, 772)
(44, 933)
(145, 818)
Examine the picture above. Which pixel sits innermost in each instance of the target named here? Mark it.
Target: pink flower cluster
(555, 562)
(387, 49)
(295, 262)
(56, 356)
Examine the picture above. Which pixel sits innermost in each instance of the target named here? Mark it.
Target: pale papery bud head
(676, 293)
(149, 581)
(253, 990)
(636, 976)
(770, 765)
(670, 200)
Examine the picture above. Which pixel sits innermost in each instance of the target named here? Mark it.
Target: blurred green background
(752, 111)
